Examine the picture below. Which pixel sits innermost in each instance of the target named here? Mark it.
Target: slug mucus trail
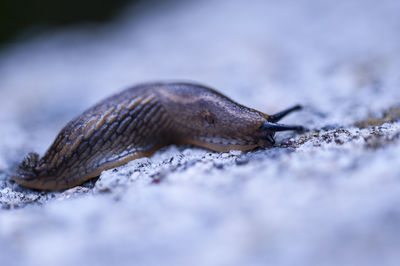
(138, 121)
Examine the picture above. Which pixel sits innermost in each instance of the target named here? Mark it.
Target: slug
(138, 121)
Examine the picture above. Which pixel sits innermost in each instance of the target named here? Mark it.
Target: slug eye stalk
(276, 117)
(271, 126)
(275, 127)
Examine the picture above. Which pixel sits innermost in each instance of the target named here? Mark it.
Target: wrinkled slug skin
(137, 122)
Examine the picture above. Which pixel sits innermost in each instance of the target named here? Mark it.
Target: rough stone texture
(329, 196)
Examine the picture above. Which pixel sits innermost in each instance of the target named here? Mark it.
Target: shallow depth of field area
(327, 196)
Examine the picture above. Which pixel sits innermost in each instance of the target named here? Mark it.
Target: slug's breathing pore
(140, 120)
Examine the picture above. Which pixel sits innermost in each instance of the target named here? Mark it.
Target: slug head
(206, 118)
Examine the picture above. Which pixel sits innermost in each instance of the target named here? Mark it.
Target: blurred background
(20, 19)
(335, 203)
(58, 58)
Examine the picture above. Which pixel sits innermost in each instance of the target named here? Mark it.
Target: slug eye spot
(207, 117)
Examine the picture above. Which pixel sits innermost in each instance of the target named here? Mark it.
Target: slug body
(140, 120)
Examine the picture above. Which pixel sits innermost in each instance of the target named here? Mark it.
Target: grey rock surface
(328, 196)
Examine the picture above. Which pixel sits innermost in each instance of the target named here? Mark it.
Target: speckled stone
(327, 196)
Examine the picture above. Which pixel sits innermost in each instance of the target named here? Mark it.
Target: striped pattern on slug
(137, 122)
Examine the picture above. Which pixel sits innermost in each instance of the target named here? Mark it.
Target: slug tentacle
(270, 139)
(282, 114)
(137, 122)
(275, 127)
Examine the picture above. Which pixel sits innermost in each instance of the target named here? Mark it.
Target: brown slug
(138, 121)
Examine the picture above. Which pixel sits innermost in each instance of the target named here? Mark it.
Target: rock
(326, 196)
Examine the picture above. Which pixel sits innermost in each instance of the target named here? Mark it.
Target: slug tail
(26, 170)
